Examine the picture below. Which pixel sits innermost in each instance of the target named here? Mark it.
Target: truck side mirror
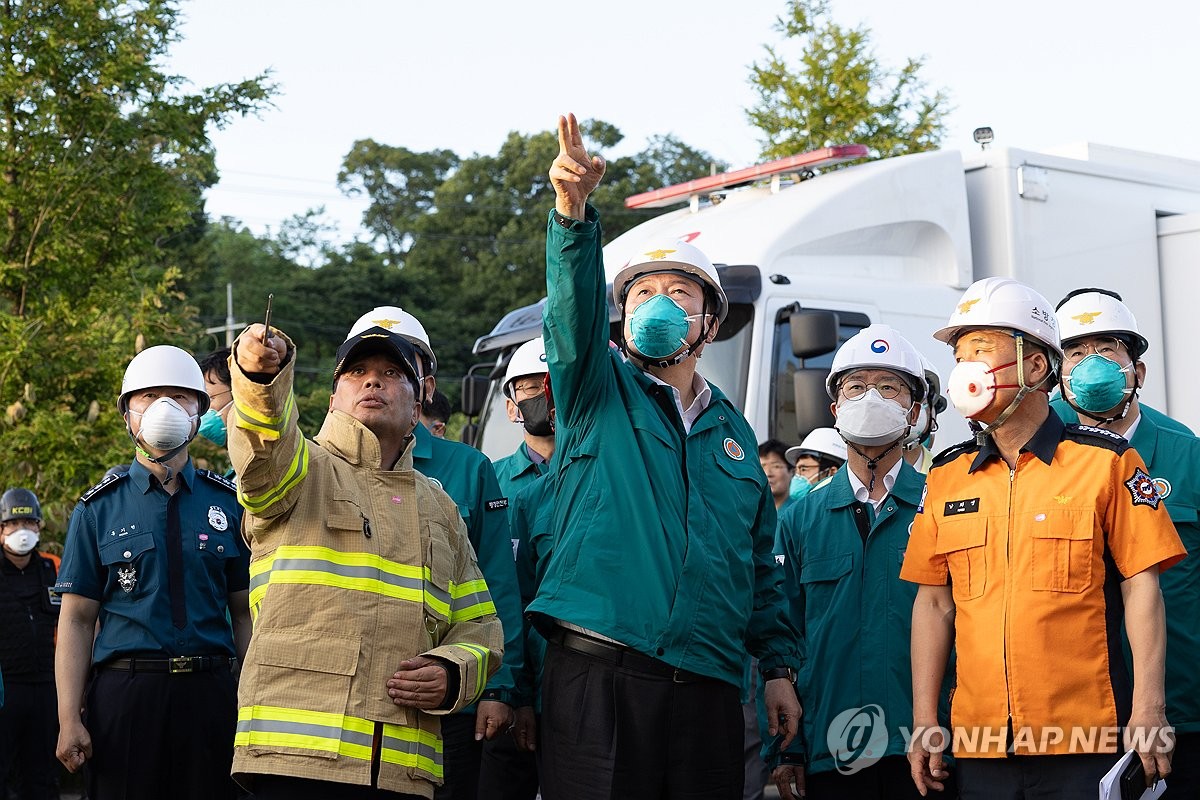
(474, 390)
(812, 403)
(469, 432)
(814, 333)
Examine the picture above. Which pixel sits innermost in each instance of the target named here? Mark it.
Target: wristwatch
(779, 672)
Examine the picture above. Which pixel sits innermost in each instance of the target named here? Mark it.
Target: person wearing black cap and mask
(371, 616)
(28, 617)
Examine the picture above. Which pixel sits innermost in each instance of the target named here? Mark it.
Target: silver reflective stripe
(305, 729)
(468, 600)
(421, 749)
(360, 572)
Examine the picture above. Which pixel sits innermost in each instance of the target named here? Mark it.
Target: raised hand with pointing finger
(574, 174)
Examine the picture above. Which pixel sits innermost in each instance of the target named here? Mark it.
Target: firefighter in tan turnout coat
(370, 615)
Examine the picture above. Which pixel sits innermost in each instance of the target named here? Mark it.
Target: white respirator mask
(21, 541)
(166, 425)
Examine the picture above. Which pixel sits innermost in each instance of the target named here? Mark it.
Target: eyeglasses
(807, 469)
(1104, 346)
(888, 389)
(528, 389)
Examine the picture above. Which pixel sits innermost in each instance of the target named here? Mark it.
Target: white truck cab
(897, 241)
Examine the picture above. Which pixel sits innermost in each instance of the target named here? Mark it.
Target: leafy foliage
(103, 159)
(832, 90)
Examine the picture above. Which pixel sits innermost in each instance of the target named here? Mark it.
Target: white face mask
(870, 420)
(166, 425)
(21, 541)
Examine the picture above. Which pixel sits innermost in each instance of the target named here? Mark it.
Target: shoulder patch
(109, 480)
(948, 455)
(1097, 437)
(220, 480)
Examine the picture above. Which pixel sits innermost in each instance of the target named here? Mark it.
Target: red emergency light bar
(813, 159)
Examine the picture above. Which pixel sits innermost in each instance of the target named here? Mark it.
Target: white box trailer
(896, 241)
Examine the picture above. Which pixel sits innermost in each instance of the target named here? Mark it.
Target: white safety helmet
(163, 365)
(528, 359)
(877, 346)
(398, 321)
(1003, 303)
(678, 257)
(820, 443)
(934, 404)
(1095, 312)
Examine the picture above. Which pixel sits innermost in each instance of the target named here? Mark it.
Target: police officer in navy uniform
(28, 617)
(156, 555)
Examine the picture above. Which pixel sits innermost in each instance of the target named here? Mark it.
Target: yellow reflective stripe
(469, 587)
(295, 473)
(269, 427)
(468, 613)
(420, 749)
(275, 726)
(482, 653)
(323, 566)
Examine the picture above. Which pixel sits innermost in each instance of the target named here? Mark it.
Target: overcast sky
(461, 75)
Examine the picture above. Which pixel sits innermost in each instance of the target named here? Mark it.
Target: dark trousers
(1184, 782)
(507, 772)
(28, 736)
(887, 779)
(1060, 777)
(611, 733)
(157, 735)
(757, 774)
(460, 758)
(280, 787)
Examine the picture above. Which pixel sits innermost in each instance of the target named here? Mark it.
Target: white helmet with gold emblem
(1095, 312)
(400, 322)
(1003, 303)
(678, 257)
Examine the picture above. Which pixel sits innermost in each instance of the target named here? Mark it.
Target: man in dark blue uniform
(28, 617)
(156, 556)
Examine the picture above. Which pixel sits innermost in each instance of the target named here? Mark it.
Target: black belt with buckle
(173, 666)
(619, 655)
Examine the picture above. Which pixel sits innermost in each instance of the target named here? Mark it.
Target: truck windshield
(725, 364)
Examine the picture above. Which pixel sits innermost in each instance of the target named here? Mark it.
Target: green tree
(104, 158)
(825, 87)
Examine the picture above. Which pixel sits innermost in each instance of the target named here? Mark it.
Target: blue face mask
(799, 487)
(212, 427)
(1097, 384)
(659, 327)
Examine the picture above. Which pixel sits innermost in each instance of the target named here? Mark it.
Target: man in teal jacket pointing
(661, 577)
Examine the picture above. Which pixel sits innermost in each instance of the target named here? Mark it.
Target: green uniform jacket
(854, 615)
(467, 476)
(515, 472)
(529, 519)
(662, 540)
(1172, 456)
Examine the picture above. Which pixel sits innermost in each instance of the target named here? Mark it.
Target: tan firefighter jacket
(354, 569)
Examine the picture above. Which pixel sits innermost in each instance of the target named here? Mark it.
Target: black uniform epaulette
(1097, 437)
(949, 454)
(109, 480)
(220, 480)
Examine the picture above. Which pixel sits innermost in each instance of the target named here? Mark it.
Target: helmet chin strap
(872, 463)
(163, 459)
(984, 431)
